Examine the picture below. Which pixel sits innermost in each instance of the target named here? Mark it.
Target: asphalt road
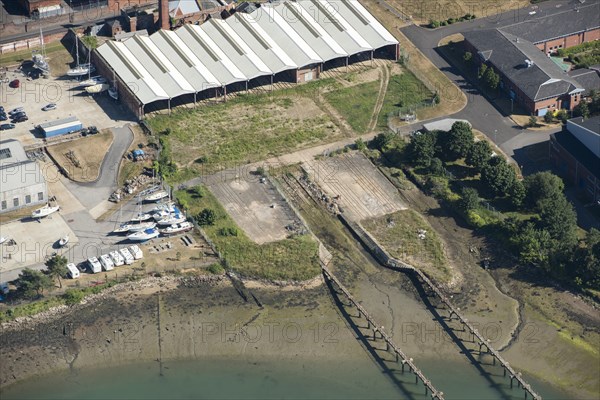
(93, 193)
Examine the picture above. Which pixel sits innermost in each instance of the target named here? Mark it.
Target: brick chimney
(164, 19)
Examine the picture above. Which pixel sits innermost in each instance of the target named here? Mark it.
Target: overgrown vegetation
(247, 128)
(294, 258)
(91, 42)
(436, 24)
(355, 103)
(532, 217)
(583, 55)
(405, 93)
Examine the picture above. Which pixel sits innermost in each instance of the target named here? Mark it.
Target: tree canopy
(458, 141)
(479, 154)
(498, 176)
(57, 267)
(32, 283)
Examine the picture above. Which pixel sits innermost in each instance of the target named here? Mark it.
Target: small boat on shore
(112, 92)
(95, 80)
(3, 239)
(156, 196)
(144, 235)
(172, 219)
(44, 211)
(141, 217)
(63, 241)
(177, 228)
(99, 88)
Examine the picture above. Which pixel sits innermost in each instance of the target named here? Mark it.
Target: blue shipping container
(61, 127)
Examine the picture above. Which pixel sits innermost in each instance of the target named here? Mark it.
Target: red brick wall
(34, 5)
(116, 5)
(569, 41)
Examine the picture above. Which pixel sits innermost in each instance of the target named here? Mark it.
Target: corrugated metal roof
(274, 38)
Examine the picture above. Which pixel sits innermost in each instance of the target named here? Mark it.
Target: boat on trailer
(44, 211)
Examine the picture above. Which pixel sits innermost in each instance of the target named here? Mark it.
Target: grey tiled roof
(507, 53)
(557, 25)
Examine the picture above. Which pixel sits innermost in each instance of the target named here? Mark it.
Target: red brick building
(575, 152)
(569, 28)
(518, 53)
(527, 75)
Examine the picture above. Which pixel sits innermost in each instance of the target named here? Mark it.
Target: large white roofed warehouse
(284, 41)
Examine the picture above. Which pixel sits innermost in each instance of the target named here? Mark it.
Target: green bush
(73, 296)
(215, 269)
(474, 219)
(228, 231)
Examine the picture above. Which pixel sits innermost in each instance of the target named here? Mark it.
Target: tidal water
(231, 379)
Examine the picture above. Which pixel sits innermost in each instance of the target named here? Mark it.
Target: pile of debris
(131, 186)
(73, 158)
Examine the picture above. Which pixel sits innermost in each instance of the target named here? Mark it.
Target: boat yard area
(99, 110)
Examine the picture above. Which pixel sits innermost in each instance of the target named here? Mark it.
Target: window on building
(40, 196)
(16, 202)
(4, 204)
(4, 154)
(28, 199)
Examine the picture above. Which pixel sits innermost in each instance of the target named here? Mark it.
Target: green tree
(535, 245)
(469, 199)
(582, 110)
(517, 193)
(559, 219)
(422, 148)
(498, 176)
(594, 105)
(458, 141)
(492, 79)
(479, 154)
(482, 70)
(548, 118)
(206, 217)
(436, 167)
(382, 141)
(540, 187)
(532, 123)
(468, 56)
(57, 268)
(587, 264)
(32, 283)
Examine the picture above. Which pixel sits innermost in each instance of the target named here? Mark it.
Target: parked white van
(73, 271)
(95, 266)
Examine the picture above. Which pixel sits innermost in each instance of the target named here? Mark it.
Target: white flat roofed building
(21, 181)
(286, 41)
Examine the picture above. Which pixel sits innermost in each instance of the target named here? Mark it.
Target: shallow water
(230, 379)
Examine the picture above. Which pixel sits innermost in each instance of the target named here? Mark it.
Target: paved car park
(98, 110)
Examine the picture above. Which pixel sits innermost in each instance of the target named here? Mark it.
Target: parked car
(5, 127)
(49, 107)
(3, 117)
(22, 118)
(15, 84)
(16, 110)
(19, 114)
(1, 108)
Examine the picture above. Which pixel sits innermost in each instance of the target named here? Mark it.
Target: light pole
(495, 135)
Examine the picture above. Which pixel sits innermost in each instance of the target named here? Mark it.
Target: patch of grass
(247, 128)
(397, 233)
(355, 104)
(19, 56)
(129, 170)
(294, 258)
(404, 91)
